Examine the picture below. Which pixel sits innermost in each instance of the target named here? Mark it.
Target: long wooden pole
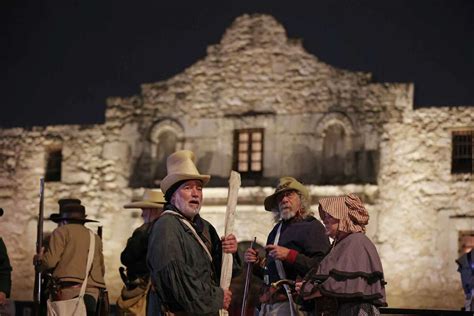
(226, 270)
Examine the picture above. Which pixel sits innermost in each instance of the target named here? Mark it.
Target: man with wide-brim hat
(66, 252)
(185, 252)
(296, 244)
(133, 257)
(70, 210)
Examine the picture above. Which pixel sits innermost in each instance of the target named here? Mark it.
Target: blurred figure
(5, 272)
(132, 300)
(66, 256)
(349, 280)
(466, 269)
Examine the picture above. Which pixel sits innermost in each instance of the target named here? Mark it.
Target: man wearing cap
(133, 257)
(185, 252)
(67, 252)
(295, 245)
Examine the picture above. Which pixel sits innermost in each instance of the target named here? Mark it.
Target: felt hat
(70, 209)
(150, 199)
(180, 167)
(285, 184)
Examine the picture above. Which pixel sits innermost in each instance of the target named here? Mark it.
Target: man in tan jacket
(66, 255)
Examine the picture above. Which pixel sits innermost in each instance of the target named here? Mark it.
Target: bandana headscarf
(349, 210)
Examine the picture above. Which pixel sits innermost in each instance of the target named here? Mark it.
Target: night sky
(61, 59)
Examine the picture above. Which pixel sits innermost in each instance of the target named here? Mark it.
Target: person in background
(466, 269)
(137, 277)
(5, 272)
(67, 252)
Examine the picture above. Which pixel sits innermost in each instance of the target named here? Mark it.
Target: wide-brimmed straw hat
(70, 209)
(285, 184)
(348, 209)
(180, 166)
(150, 199)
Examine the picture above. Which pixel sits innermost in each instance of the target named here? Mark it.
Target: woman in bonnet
(349, 280)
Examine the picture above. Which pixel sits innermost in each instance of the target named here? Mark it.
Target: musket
(227, 258)
(39, 244)
(103, 305)
(248, 276)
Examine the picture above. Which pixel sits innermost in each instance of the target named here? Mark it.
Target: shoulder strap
(190, 226)
(282, 273)
(90, 257)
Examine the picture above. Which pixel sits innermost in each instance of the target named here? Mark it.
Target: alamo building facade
(260, 104)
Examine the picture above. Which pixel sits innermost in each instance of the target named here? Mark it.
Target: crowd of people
(172, 263)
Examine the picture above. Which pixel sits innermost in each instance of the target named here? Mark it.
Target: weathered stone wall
(417, 239)
(256, 78)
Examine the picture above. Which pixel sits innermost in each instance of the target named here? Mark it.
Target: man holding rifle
(66, 256)
(295, 245)
(185, 252)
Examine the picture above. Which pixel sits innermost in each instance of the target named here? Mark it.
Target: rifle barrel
(39, 244)
(248, 275)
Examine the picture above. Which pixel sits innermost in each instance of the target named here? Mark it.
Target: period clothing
(307, 241)
(67, 252)
(350, 278)
(184, 256)
(184, 278)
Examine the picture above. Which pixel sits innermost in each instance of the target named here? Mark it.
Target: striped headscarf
(348, 209)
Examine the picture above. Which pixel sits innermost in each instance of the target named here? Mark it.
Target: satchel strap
(190, 226)
(282, 273)
(90, 258)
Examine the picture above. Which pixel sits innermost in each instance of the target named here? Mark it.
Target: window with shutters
(248, 151)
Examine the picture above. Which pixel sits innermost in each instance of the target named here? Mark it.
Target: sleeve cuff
(291, 258)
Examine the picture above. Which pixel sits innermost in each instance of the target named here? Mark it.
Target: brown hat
(180, 166)
(70, 209)
(349, 210)
(285, 184)
(150, 199)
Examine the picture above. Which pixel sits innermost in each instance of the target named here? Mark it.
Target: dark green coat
(5, 270)
(181, 272)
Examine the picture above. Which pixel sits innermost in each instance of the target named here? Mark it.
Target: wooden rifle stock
(37, 292)
(248, 276)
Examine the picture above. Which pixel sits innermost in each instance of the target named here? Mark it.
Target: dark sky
(62, 58)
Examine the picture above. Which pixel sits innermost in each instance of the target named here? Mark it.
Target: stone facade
(336, 130)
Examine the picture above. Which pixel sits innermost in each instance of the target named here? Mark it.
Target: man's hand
(298, 287)
(227, 299)
(277, 252)
(37, 258)
(229, 244)
(3, 298)
(251, 255)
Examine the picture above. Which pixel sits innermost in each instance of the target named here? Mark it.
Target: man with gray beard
(296, 244)
(184, 251)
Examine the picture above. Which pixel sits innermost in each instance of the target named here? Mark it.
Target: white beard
(188, 211)
(287, 213)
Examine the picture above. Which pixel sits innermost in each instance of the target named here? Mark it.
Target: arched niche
(336, 152)
(166, 136)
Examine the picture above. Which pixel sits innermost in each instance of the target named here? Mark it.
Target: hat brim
(144, 204)
(56, 218)
(269, 201)
(171, 179)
